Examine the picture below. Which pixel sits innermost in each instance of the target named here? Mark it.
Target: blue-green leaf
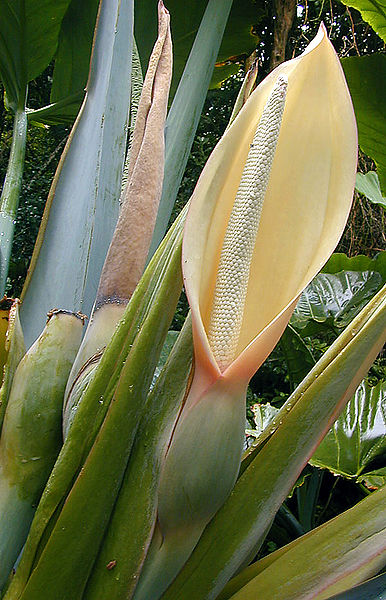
(82, 207)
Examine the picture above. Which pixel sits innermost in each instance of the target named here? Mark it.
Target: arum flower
(268, 210)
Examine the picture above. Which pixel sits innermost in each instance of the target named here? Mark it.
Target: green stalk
(31, 435)
(131, 527)
(9, 200)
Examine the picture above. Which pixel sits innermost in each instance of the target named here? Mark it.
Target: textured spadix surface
(304, 210)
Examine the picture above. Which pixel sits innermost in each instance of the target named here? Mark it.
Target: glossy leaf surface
(335, 298)
(357, 438)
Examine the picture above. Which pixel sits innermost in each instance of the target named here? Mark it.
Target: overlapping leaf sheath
(266, 213)
(75, 508)
(129, 248)
(12, 349)
(339, 554)
(31, 436)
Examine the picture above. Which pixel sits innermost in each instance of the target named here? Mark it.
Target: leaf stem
(9, 200)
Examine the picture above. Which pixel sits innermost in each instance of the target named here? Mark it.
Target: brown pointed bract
(129, 248)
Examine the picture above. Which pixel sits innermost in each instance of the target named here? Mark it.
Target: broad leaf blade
(338, 554)
(62, 112)
(72, 60)
(357, 438)
(340, 262)
(365, 77)
(336, 298)
(372, 11)
(368, 185)
(82, 207)
(29, 31)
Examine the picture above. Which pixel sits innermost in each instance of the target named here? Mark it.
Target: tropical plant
(150, 494)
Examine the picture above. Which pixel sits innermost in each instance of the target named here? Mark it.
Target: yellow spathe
(305, 209)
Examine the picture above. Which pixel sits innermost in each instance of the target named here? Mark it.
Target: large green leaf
(357, 438)
(184, 114)
(365, 77)
(275, 461)
(297, 355)
(372, 11)
(337, 555)
(72, 60)
(62, 112)
(368, 185)
(82, 207)
(72, 65)
(335, 298)
(29, 31)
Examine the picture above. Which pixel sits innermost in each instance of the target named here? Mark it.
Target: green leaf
(82, 206)
(338, 554)
(297, 355)
(72, 60)
(341, 262)
(365, 77)
(101, 435)
(368, 185)
(29, 31)
(237, 530)
(62, 112)
(335, 298)
(184, 114)
(357, 438)
(371, 590)
(372, 11)
(374, 479)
